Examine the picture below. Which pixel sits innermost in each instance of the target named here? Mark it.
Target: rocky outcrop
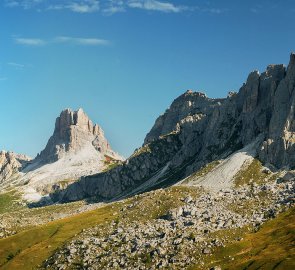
(76, 148)
(278, 147)
(191, 106)
(202, 129)
(11, 163)
(73, 129)
(263, 106)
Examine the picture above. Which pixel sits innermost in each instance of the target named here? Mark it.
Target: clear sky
(124, 62)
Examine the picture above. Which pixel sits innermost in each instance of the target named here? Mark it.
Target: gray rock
(188, 199)
(73, 129)
(215, 268)
(11, 163)
(289, 176)
(196, 130)
(206, 251)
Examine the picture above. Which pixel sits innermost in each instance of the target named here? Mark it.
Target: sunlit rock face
(196, 130)
(73, 130)
(10, 164)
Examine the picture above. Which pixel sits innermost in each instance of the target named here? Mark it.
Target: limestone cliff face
(73, 130)
(279, 145)
(76, 148)
(264, 106)
(188, 107)
(11, 163)
(196, 130)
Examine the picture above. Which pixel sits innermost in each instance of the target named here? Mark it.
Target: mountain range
(197, 130)
(212, 187)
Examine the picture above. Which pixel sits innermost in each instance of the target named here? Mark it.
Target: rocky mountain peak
(291, 66)
(193, 93)
(254, 75)
(196, 130)
(73, 131)
(190, 104)
(76, 148)
(69, 118)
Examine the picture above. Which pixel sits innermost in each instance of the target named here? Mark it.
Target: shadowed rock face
(278, 147)
(136, 170)
(201, 130)
(73, 129)
(264, 105)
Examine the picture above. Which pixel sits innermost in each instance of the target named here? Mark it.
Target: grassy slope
(21, 217)
(28, 249)
(154, 205)
(253, 173)
(201, 172)
(8, 202)
(272, 247)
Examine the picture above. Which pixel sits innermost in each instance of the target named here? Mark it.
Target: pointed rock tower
(74, 132)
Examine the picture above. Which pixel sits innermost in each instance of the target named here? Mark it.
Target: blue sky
(124, 62)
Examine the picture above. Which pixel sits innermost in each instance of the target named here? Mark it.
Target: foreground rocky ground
(176, 228)
(181, 227)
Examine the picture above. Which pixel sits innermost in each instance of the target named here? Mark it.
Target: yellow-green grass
(252, 174)
(110, 166)
(29, 248)
(144, 149)
(202, 172)
(9, 202)
(155, 204)
(21, 217)
(272, 247)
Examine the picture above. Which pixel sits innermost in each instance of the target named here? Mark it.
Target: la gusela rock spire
(73, 130)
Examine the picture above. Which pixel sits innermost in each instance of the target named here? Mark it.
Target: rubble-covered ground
(175, 228)
(181, 236)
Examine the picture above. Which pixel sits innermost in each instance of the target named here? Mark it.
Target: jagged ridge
(196, 130)
(11, 163)
(74, 129)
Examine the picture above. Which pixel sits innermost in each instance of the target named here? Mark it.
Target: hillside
(197, 130)
(174, 228)
(212, 187)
